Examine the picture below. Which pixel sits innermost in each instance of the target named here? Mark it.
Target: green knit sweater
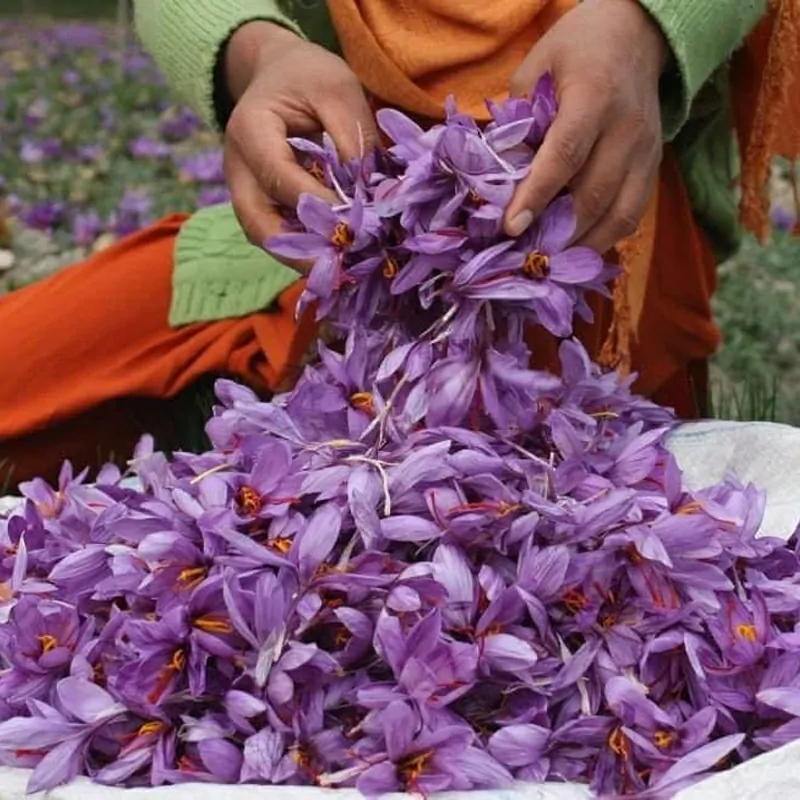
(218, 274)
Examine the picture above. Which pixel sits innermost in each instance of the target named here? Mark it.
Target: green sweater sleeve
(185, 38)
(703, 34)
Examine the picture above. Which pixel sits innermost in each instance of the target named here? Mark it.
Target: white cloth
(765, 454)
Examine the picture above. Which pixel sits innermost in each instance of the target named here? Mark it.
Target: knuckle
(625, 222)
(594, 200)
(570, 151)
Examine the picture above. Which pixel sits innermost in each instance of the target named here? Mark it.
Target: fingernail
(519, 224)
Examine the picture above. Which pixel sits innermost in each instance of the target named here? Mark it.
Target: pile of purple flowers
(428, 566)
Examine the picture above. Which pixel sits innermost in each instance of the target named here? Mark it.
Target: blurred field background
(93, 145)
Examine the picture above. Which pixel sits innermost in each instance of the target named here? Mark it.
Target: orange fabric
(412, 54)
(766, 102)
(83, 348)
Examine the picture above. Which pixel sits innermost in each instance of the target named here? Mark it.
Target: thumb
(535, 65)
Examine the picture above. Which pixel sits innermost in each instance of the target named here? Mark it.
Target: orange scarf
(412, 54)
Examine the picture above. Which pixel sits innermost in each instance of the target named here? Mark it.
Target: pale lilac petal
(508, 653)
(59, 766)
(86, 701)
(221, 758)
(405, 528)
(519, 745)
(576, 265)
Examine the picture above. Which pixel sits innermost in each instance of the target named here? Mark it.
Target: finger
(595, 188)
(564, 151)
(348, 119)
(261, 140)
(624, 216)
(259, 217)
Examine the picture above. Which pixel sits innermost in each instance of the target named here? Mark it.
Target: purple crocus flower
(86, 227)
(145, 147)
(205, 167)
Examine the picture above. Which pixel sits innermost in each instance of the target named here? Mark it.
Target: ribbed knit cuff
(219, 274)
(703, 34)
(185, 38)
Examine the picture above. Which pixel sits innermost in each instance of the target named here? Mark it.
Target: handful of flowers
(428, 566)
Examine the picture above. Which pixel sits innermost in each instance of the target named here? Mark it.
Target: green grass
(758, 309)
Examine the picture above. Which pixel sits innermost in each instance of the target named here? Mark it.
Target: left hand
(606, 57)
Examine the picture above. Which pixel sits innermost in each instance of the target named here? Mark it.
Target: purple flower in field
(137, 62)
(783, 219)
(145, 147)
(179, 125)
(135, 202)
(36, 112)
(86, 227)
(35, 152)
(89, 153)
(204, 167)
(213, 196)
(133, 212)
(44, 215)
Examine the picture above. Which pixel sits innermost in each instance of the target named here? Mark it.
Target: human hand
(606, 57)
(284, 86)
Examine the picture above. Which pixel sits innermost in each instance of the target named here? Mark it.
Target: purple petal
(508, 653)
(519, 745)
(405, 528)
(221, 758)
(59, 766)
(576, 265)
(701, 760)
(86, 701)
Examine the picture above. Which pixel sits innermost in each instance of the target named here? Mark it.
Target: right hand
(284, 86)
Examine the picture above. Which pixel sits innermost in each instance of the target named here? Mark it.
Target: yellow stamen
(178, 661)
(618, 743)
(363, 401)
(150, 729)
(249, 501)
(690, 508)
(537, 265)
(412, 768)
(282, 545)
(342, 236)
(575, 600)
(212, 623)
(663, 739)
(49, 643)
(747, 632)
(190, 577)
(390, 268)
